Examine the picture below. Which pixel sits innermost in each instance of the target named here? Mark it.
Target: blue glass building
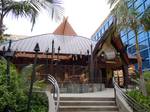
(128, 37)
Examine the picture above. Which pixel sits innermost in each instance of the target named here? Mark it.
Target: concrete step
(87, 108)
(90, 111)
(87, 103)
(86, 99)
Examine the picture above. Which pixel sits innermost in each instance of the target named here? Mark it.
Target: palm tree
(145, 20)
(29, 9)
(126, 18)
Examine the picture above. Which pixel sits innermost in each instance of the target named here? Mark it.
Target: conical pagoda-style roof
(65, 29)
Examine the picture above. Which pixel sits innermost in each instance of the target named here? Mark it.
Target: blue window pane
(136, 66)
(137, 3)
(102, 30)
(142, 36)
(141, 29)
(110, 20)
(131, 34)
(123, 32)
(130, 4)
(131, 50)
(106, 26)
(149, 34)
(147, 3)
(146, 64)
(149, 44)
(140, 9)
(125, 43)
(143, 45)
(97, 35)
(131, 41)
(124, 38)
(95, 38)
(144, 54)
(100, 33)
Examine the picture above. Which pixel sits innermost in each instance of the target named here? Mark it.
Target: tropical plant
(15, 95)
(26, 73)
(142, 100)
(145, 20)
(146, 75)
(128, 18)
(27, 8)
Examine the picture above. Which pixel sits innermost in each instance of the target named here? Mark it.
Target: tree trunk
(139, 60)
(1, 28)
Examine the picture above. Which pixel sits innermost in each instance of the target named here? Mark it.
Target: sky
(85, 16)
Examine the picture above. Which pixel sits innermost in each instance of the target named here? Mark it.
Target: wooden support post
(52, 56)
(91, 65)
(125, 74)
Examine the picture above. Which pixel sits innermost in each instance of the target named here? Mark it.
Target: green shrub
(146, 74)
(147, 81)
(16, 94)
(137, 96)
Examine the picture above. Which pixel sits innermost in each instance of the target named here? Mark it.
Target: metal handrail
(129, 100)
(53, 81)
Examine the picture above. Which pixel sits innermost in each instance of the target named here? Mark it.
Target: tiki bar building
(73, 60)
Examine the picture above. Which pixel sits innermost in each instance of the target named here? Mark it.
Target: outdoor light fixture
(102, 54)
(118, 54)
(36, 49)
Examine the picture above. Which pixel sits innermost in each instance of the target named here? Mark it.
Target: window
(146, 64)
(141, 29)
(97, 36)
(144, 54)
(110, 20)
(142, 36)
(106, 26)
(131, 50)
(149, 41)
(102, 30)
(94, 37)
(130, 4)
(141, 9)
(131, 34)
(147, 3)
(137, 3)
(149, 34)
(123, 32)
(143, 45)
(136, 66)
(124, 38)
(132, 41)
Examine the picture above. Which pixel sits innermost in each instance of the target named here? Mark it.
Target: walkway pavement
(107, 92)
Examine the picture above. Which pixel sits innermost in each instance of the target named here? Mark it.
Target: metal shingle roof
(68, 44)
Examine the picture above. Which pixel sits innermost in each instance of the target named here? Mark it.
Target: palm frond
(145, 20)
(54, 8)
(40, 84)
(111, 2)
(23, 9)
(125, 17)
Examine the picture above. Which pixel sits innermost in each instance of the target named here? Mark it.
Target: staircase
(87, 104)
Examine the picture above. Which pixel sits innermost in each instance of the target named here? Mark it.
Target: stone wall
(82, 88)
